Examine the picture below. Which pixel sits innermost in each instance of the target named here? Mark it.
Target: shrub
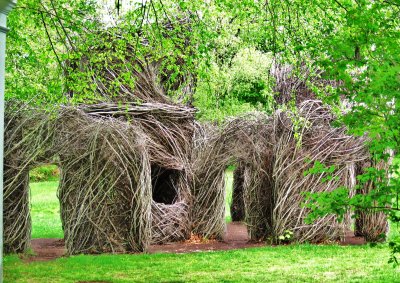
(235, 87)
(48, 172)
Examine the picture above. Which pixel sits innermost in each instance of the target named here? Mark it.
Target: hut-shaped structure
(137, 169)
(124, 160)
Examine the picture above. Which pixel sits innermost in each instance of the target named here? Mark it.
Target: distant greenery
(241, 85)
(292, 263)
(45, 210)
(228, 194)
(44, 173)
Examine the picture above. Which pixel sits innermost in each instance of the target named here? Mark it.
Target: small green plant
(286, 238)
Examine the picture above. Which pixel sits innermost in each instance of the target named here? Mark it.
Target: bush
(49, 172)
(236, 87)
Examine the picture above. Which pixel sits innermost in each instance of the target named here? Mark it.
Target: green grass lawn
(295, 263)
(45, 210)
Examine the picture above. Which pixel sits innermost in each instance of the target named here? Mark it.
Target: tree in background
(41, 34)
(242, 85)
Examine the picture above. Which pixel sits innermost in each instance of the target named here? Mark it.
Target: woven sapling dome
(319, 141)
(105, 188)
(293, 83)
(124, 158)
(143, 85)
(124, 179)
(132, 146)
(214, 149)
(271, 164)
(121, 67)
(29, 140)
(168, 131)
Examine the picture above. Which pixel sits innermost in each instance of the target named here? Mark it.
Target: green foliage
(31, 67)
(286, 238)
(240, 86)
(250, 80)
(319, 168)
(41, 33)
(44, 173)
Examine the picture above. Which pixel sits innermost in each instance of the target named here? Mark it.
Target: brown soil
(236, 237)
(47, 249)
(351, 239)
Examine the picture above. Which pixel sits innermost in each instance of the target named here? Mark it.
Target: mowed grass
(296, 263)
(293, 263)
(45, 210)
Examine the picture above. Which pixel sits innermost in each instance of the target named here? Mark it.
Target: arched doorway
(44, 203)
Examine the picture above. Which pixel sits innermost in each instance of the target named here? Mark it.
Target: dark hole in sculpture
(237, 204)
(164, 182)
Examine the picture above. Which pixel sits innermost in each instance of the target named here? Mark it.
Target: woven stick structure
(144, 172)
(134, 175)
(124, 182)
(272, 163)
(213, 150)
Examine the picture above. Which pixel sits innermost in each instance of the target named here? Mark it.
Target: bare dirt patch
(236, 237)
(47, 249)
(351, 239)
